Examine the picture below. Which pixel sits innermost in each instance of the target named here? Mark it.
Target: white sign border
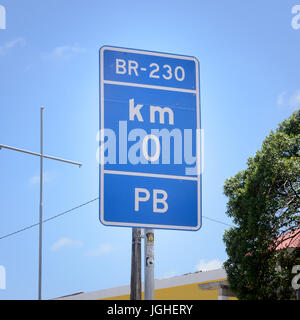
(199, 182)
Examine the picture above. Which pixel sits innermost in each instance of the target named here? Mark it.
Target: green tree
(264, 202)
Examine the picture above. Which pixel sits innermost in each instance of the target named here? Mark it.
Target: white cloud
(295, 100)
(47, 177)
(102, 249)
(34, 180)
(63, 52)
(209, 265)
(291, 101)
(66, 242)
(281, 98)
(169, 274)
(11, 44)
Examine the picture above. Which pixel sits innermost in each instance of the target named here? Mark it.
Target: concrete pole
(136, 278)
(149, 264)
(41, 206)
(42, 156)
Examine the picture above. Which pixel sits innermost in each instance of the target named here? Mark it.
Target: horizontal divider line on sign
(152, 175)
(149, 86)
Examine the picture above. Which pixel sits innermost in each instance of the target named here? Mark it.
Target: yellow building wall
(185, 292)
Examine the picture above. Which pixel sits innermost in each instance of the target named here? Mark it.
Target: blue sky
(249, 56)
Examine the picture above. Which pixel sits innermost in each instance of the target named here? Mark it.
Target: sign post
(136, 272)
(149, 264)
(150, 144)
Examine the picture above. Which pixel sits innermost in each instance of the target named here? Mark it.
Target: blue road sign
(150, 145)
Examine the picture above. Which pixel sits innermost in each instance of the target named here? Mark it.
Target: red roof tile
(288, 241)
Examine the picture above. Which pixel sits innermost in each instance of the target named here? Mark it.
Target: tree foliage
(264, 202)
